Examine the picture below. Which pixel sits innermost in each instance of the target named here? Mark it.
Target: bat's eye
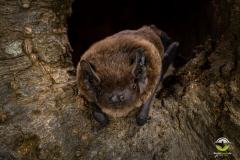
(134, 86)
(100, 93)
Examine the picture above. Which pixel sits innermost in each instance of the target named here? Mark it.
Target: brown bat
(120, 74)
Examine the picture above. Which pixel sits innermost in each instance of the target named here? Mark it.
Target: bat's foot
(166, 41)
(99, 116)
(97, 128)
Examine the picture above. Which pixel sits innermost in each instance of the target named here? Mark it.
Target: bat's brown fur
(111, 59)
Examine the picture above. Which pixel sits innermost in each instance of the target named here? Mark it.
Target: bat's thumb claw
(141, 121)
(95, 130)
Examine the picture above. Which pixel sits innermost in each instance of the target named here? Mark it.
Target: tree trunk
(42, 117)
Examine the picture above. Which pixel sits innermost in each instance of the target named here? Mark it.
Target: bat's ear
(139, 71)
(90, 77)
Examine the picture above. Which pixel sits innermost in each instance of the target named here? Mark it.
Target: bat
(120, 74)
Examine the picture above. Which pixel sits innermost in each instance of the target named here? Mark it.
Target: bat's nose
(121, 98)
(116, 98)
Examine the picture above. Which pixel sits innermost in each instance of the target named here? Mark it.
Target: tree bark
(42, 116)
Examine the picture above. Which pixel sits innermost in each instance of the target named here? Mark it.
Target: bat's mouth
(119, 104)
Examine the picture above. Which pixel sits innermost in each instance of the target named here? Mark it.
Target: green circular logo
(225, 143)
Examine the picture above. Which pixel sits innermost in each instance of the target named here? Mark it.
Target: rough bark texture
(41, 116)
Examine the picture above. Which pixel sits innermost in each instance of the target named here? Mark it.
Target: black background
(186, 21)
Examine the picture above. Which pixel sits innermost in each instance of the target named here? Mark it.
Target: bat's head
(109, 91)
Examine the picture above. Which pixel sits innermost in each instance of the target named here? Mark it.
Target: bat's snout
(116, 98)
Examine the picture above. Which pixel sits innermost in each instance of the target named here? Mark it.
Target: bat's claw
(141, 121)
(95, 129)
